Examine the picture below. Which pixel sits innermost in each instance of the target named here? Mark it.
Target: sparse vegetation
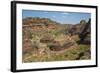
(47, 40)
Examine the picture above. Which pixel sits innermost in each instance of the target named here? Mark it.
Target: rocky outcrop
(27, 46)
(46, 39)
(83, 30)
(38, 21)
(64, 43)
(85, 34)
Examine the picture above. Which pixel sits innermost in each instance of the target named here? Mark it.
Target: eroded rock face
(76, 29)
(62, 44)
(27, 46)
(68, 44)
(55, 46)
(83, 30)
(46, 39)
(85, 35)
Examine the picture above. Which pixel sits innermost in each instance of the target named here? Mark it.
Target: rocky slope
(47, 38)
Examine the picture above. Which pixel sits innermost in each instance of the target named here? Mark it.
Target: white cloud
(46, 12)
(65, 13)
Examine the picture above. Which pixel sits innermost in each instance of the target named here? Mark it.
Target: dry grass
(70, 54)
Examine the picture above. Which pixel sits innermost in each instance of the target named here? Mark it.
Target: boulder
(46, 39)
(55, 46)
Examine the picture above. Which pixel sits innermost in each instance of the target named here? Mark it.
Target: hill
(37, 20)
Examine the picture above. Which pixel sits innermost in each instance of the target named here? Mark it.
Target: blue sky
(61, 17)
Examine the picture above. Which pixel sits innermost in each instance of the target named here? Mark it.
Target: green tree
(82, 22)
